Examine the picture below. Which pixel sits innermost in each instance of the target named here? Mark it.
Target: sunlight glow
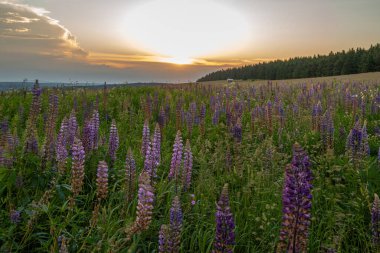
(180, 31)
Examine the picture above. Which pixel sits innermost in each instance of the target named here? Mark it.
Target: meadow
(203, 167)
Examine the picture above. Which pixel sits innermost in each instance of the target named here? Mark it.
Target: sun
(180, 31)
(178, 60)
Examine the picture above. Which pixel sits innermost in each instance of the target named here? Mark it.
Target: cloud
(39, 33)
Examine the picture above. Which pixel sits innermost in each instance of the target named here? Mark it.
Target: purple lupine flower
(88, 135)
(31, 144)
(96, 123)
(148, 161)
(237, 131)
(375, 221)
(354, 142)
(176, 157)
(61, 151)
(161, 118)
(365, 151)
(102, 180)
(72, 130)
(15, 216)
(215, 117)
(145, 202)
(187, 166)
(113, 143)
(156, 150)
(130, 172)
(36, 103)
(145, 138)
(163, 238)
(228, 117)
(77, 170)
(296, 201)
(176, 220)
(49, 145)
(202, 113)
(225, 225)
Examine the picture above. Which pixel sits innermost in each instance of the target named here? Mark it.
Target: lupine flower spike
(225, 225)
(296, 201)
(187, 166)
(113, 142)
(375, 221)
(144, 210)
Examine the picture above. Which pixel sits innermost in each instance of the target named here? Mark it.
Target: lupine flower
(113, 142)
(61, 151)
(161, 118)
(145, 138)
(215, 117)
(176, 219)
(357, 142)
(15, 216)
(72, 130)
(202, 113)
(176, 157)
(364, 144)
(96, 122)
(156, 150)
(102, 180)
(31, 145)
(144, 205)
(187, 166)
(237, 131)
(375, 220)
(49, 145)
(88, 135)
(163, 238)
(296, 201)
(228, 117)
(225, 225)
(77, 167)
(130, 171)
(327, 130)
(148, 161)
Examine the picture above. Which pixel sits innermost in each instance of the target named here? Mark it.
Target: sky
(171, 40)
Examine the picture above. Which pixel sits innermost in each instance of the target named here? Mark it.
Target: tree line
(339, 63)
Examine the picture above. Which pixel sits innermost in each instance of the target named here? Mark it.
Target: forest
(340, 63)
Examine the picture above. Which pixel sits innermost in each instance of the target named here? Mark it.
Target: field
(286, 166)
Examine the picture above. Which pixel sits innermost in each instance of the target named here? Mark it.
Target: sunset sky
(171, 40)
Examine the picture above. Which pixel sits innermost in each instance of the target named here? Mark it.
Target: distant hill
(340, 63)
(6, 86)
